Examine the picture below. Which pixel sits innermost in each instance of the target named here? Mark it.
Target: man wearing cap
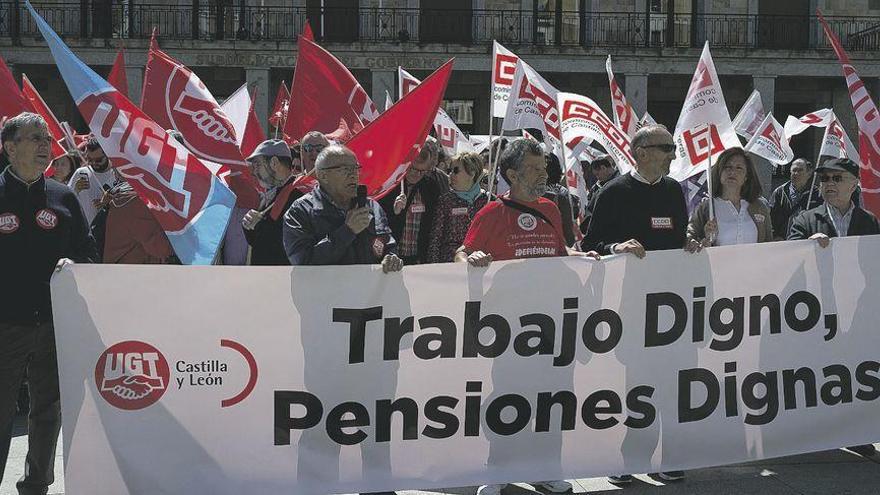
(272, 164)
(328, 227)
(838, 216)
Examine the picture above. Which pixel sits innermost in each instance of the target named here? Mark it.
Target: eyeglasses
(308, 148)
(836, 178)
(37, 139)
(664, 147)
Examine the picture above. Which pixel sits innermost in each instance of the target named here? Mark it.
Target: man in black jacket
(839, 216)
(41, 225)
(791, 198)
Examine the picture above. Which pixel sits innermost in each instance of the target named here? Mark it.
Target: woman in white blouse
(742, 216)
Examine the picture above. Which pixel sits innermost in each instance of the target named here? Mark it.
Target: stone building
(775, 46)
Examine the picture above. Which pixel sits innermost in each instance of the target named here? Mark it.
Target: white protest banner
(769, 142)
(316, 380)
(584, 122)
(447, 132)
(503, 68)
(624, 116)
(704, 129)
(796, 125)
(750, 116)
(836, 143)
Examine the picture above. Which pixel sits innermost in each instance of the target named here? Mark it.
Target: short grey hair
(19, 122)
(645, 133)
(514, 155)
(329, 155)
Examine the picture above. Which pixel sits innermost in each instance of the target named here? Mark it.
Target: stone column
(766, 85)
(637, 92)
(383, 80)
(134, 74)
(259, 77)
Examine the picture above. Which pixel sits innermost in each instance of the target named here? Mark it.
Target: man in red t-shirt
(523, 224)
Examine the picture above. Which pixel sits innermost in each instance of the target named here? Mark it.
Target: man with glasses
(312, 144)
(272, 164)
(90, 181)
(327, 227)
(643, 210)
(604, 170)
(41, 225)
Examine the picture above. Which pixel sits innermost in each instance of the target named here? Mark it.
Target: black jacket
(267, 247)
(39, 224)
(783, 210)
(818, 220)
(431, 187)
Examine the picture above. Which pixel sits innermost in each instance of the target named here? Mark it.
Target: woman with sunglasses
(457, 207)
(742, 216)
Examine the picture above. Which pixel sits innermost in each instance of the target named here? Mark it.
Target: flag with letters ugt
(189, 202)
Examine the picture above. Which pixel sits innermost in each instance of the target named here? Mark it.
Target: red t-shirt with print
(507, 233)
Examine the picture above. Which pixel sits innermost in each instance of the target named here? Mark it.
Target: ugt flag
(190, 203)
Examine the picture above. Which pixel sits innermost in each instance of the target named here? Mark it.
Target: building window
(874, 4)
(461, 111)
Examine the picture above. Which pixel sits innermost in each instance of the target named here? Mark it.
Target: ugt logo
(132, 375)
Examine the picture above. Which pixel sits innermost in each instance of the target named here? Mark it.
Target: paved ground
(837, 472)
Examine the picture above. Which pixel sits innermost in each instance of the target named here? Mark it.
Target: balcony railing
(221, 20)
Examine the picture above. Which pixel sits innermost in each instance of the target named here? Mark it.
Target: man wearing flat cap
(272, 164)
(838, 216)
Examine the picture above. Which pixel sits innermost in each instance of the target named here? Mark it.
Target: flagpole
(711, 196)
(491, 182)
(812, 187)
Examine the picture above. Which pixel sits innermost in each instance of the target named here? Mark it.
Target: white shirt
(840, 220)
(97, 180)
(637, 176)
(734, 227)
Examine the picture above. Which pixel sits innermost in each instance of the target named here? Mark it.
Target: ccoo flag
(190, 203)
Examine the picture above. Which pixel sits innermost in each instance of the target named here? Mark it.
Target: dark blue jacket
(315, 234)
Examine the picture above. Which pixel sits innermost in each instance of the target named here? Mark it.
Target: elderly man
(312, 144)
(790, 199)
(272, 164)
(41, 223)
(411, 213)
(328, 227)
(644, 210)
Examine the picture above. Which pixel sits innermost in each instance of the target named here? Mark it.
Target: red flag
(392, 139)
(279, 110)
(39, 106)
(13, 102)
(117, 76)
(869, 125)
(307, 31)
(322, 92)
(177, 99)
(253, 131)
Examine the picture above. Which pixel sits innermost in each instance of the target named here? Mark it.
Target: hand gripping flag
(189, 202)
(869, 124)
(117, 77)
(279, 109)
(503, 69)
(769, 142)
(624, 116)
(239, 108)
(177, 99)
(39, 106)
(323, 91)
(13, 102)
(583, 122)
(704, 129)
(750, 116)
(448, 134)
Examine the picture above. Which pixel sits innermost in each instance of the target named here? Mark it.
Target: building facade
(775, 46)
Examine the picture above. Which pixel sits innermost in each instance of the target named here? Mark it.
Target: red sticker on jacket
(47, 219)
(9, 223)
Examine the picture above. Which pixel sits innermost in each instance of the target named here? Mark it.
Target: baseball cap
(271, 147)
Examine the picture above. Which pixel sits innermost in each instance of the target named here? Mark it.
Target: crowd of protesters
(441, 212)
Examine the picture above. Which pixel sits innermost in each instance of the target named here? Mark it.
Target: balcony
(220, 20)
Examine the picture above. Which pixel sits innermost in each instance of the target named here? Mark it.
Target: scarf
(470, 195)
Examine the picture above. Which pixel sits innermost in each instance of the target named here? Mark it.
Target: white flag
(533, 106)
(750, 116)
(624, 116)
(582, 121)
(237, 108)
(448, 134)
(704, 129)
(503, 68)
(795, 125)
(836, 143)
(769, 141)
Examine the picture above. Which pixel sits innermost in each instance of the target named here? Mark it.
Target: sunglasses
(308, 148)
(666, 148)
(832, 178)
